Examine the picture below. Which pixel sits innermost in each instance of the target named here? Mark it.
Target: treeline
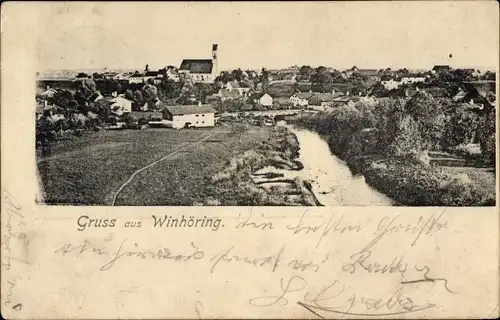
(388, 142)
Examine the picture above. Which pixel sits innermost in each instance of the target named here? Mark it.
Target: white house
(406, 80)
(391, 84)
(183, 116)
(121, 105)
(136, 78)
(242, 88)
(172, 74)
(118, 104)
(201, 70)
(263, 99)
(301, 98)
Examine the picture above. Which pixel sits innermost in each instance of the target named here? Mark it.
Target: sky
(377, 35)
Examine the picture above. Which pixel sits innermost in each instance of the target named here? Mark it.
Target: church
(201, 70)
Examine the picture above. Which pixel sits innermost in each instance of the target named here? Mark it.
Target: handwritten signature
(394, 303)
(14, 220)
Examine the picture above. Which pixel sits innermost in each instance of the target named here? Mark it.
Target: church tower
(215, 62)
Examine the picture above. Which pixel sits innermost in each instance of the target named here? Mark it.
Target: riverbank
(263, 176)
(408, 180)
(293, 167)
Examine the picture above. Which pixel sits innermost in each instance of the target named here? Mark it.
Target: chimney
(199, 103)
(48, 87)
(115, 94)
(215, 70)
(333, 91)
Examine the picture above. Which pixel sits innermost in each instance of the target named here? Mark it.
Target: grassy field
(91, 169)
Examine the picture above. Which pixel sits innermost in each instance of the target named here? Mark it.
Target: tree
(264, 77)
(460, 128)
(321, 69)
(204, 90)
(322, 81)
(129, 94)
(427, 112)
(306, 71)
(487, 135)
(82, 75)
(237, 74)
(150, 94)
(337, 76)
(138, 98)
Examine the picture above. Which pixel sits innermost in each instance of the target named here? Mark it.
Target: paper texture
(343, 261)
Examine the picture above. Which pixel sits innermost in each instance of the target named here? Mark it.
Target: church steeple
(215, 70)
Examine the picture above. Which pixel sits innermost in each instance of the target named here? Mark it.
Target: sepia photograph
(249, 160)
(258, 117)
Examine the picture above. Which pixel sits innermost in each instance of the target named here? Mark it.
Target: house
(213, 98)
(201, 70)
(321, 99)
(136, 78)
(49, 93)
(371, 73)
(226, 94)
(118, 105)
(184, 116)
(151, 106)
(262, 99)
(440, 68)
(412, 79)
(242, 87)
(390, 83)
(150, 75)
(301, 99)
(341, 101)
(172, 74)
(157, 80)
(342, 88)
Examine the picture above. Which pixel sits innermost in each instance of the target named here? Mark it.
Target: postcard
(295, 160)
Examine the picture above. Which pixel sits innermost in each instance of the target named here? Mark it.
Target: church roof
(197, 65)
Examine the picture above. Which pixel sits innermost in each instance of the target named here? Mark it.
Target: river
(331, 180)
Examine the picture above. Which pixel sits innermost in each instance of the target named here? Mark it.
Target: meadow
(90, 170)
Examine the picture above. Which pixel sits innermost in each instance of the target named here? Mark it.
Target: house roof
(258, 95)
(189, 109)
(151, 73)
(136, 76)
(197, 65)
(303, 95)
(440, 67)
(369, 72)
(323, 97)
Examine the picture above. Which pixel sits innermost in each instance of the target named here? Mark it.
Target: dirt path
(182, 147)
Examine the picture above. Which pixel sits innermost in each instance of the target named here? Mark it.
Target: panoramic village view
(190, 134)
